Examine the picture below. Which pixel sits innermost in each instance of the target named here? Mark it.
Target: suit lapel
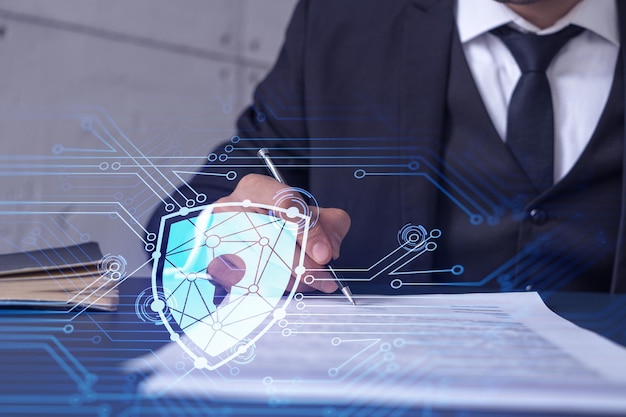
(618, 283)
(428, 30)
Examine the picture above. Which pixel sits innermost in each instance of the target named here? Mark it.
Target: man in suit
(397, 114)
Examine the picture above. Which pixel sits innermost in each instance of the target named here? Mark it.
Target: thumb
(324, 240)
(321, 251)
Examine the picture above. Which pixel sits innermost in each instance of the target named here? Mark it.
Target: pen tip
(346, 291)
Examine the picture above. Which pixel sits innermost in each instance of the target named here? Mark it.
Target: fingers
(227, 270)
(323, 241)
(325, 237)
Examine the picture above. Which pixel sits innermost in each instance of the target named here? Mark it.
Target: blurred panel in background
(95, 93)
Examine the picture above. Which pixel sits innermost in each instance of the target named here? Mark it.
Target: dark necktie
(530, 120)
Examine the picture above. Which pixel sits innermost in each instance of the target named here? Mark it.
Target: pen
(264, 154)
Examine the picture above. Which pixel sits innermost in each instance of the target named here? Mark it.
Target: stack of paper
(504, 351)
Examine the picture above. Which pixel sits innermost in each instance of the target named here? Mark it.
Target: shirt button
(538, 216)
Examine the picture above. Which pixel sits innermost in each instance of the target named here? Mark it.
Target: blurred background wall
(94, 93)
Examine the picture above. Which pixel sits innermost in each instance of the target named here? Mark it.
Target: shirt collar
(476, 17)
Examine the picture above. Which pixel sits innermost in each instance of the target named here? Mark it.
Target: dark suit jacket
(360, 84)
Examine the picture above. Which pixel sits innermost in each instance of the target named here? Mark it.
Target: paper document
(489, 351)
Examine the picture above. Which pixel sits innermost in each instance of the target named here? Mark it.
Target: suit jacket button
(538, 216)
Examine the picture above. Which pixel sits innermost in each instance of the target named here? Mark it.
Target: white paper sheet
(489, 351)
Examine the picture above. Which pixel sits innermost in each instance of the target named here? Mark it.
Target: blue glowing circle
(359, 174)
(412, 237)
(476, 219)
(396, 283)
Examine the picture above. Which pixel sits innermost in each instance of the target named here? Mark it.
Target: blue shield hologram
(264, 241)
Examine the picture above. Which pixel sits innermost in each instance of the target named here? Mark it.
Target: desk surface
(69, 364)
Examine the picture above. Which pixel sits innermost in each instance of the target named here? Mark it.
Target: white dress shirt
(580, 75)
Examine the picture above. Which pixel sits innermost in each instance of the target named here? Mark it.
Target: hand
(323, 242)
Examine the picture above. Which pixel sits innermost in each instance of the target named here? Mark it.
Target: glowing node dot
(246, 203)
(213, 241)
(359, 173)
(156, 255)
(414, 238)
(183, 211)
(174, 337)
(242, 349)
(292, 212)
(457, 269)
(217, 326)
(264, 241)
(192, 276)
(280, 313)
(253, 289)
(476, 219)
(300, 269)
(396, 283)
(200, 363)
(157, 306)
